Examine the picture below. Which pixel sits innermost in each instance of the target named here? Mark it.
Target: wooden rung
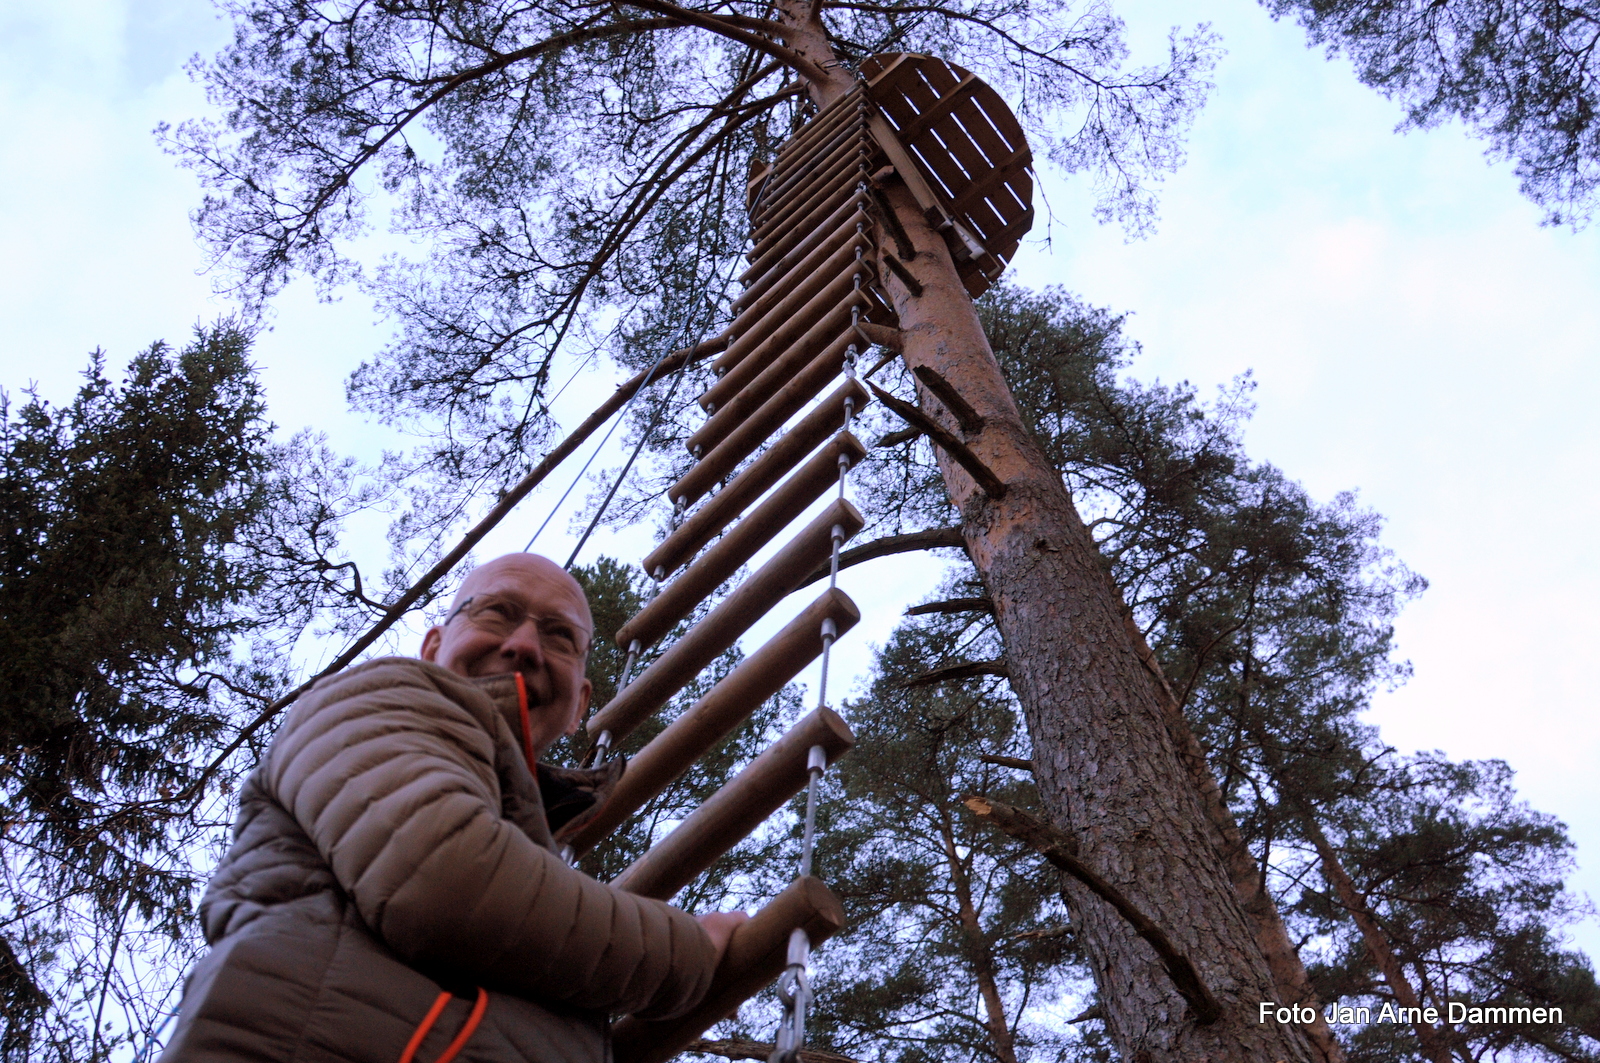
(722, 510)
(828, 339)
(839, 231)
(739, 807)
(781, 250)
(765, 523)
(839, 149)
(765, 422)
(830, 191)
(829, 117)
(811, 298)
(721, 628)
(760, 283)
(758, 952)
(713, 717)
(771, 247)
(882, 335)
(793, 167)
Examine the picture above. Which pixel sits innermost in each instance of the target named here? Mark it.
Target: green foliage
(575, 175)
(162, 556)
(945, 914)
(1465, 881)
(1272, 617)
(1525, 77)
(125, 581)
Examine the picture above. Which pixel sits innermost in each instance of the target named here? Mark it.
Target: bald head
(522, 613)
(530, 570)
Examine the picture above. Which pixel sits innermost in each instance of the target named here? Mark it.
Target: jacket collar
(571, 796)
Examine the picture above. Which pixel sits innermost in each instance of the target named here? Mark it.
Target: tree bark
(1106, 746)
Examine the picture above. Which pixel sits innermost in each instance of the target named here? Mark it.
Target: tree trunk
(983, 965)
(1108, 767)
(1107, 763)
(1373, 937)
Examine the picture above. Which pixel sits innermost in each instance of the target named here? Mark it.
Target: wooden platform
(970, 153)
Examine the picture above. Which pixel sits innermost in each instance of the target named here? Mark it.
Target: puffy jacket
(394, 843)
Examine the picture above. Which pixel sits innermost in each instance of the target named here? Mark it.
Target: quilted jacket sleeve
(394, 783)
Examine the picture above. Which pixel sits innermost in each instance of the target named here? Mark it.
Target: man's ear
(430, 643)
(582, 707)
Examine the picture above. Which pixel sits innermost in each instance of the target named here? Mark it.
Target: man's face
(522, 613)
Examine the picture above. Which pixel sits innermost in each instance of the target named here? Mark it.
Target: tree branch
(729, 28)
(953, 605)
(1020, 763)
(892, 544)
(1061, 850)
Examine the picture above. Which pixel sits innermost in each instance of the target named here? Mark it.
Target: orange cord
(527, 728)
(432, 1017)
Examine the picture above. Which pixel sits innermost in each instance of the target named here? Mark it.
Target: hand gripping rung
(757, 953)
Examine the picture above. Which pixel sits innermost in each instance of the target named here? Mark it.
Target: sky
(1414, 334)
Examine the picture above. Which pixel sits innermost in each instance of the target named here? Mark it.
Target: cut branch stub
(1062, 850)
(987, 481)
(970, 420)
(953, 605)
(950, 673)
(932, 539)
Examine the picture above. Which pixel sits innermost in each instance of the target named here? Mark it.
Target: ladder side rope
(795, 992)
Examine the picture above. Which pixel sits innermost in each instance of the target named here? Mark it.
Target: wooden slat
(739, 807)
(757, 953)
(829, 150)
(812, 176)
(778, 249)
(784, 284)
(955, 133)
(829, 191)
(715, 716)
(721, 628)
(820, 123)
(806, 304)
(781, 273)
(785, 367)
(943, 107)
(995, 179)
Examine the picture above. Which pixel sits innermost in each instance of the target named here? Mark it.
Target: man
(394, 893)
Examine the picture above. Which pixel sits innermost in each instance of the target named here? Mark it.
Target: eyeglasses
(500, 616)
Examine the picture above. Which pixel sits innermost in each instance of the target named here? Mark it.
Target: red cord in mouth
(522, 710)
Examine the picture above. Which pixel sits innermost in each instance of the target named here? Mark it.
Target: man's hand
(719, 926)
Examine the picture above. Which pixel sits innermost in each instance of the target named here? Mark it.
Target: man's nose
(524, 643)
